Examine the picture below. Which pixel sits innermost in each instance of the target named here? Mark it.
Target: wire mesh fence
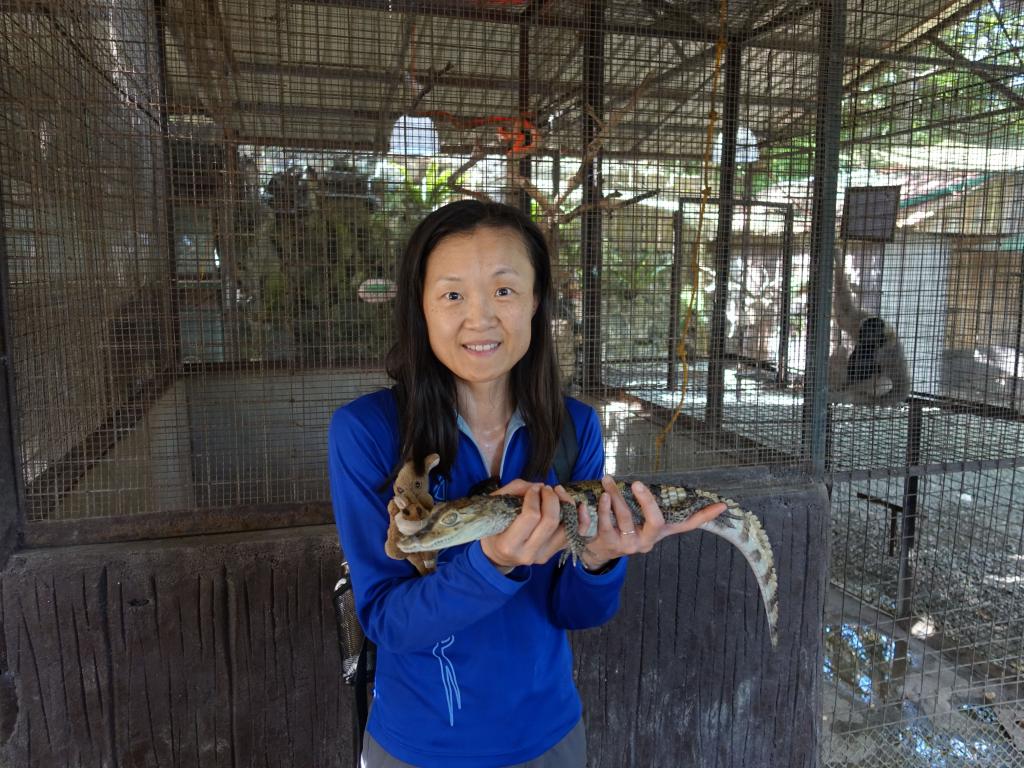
(925, 639)
(204, 204)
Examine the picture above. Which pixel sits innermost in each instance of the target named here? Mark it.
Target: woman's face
(478, 300)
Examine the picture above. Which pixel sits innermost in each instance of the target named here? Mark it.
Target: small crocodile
(463, 520)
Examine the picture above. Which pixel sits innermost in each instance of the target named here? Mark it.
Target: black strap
(567, 450)
(358, 656)
(361, 711)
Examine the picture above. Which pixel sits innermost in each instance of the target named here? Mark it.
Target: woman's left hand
(623, 537)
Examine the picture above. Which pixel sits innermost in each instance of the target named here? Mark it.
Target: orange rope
(709, 138)
(519, 132)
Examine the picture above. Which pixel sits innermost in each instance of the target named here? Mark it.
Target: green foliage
(629, 275)
(636, 288)
(928, 104)
(924, 104)
(410, 194)
(415, 194)
(302, 269)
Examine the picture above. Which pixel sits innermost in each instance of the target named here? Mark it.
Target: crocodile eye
(450, 519)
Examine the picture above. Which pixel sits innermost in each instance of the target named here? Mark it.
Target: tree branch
(475, 157)
(607, 204)
(605, 130)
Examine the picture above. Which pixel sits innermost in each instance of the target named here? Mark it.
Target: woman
(473, 663)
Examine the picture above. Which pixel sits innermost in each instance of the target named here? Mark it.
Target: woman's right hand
(535, 535)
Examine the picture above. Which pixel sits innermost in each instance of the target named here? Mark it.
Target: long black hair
(426, 388)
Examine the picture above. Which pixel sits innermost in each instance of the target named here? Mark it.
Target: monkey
(862, 364)
(876, 372)
(408, 511)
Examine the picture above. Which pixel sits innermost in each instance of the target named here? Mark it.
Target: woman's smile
(482, 348)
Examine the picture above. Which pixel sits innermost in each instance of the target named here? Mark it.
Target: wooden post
(831, 38)
(524, 169)
(685, 675)
(590, 234)
(723, 237)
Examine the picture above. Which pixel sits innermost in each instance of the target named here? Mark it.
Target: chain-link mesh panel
(923, 633)
(923, 630)
(204, 205)
(85, 231)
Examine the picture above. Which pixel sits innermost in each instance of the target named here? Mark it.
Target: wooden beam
(590, 226)
(546, 85)
(492, 15)
(174, 523)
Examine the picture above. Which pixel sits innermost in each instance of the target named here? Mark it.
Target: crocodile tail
(744, 531)
(737, 526)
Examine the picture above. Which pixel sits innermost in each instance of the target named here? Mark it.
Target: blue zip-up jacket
(473, 667)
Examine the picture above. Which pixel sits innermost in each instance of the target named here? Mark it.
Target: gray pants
(570, 752)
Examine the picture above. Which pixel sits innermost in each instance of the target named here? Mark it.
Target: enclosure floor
(752, 407)
(969, 522)
(892, 701)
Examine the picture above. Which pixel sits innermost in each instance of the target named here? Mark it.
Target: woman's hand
(535, 535)
(625, 538)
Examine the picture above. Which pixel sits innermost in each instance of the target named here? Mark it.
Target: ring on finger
(629, 533)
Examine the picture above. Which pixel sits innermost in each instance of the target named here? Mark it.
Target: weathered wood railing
(221, 650)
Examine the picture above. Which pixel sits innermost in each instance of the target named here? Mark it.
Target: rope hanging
(709, 139)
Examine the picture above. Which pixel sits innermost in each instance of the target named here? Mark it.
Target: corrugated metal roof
(339, 73)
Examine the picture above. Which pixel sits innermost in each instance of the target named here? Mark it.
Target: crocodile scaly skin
(473, 517)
